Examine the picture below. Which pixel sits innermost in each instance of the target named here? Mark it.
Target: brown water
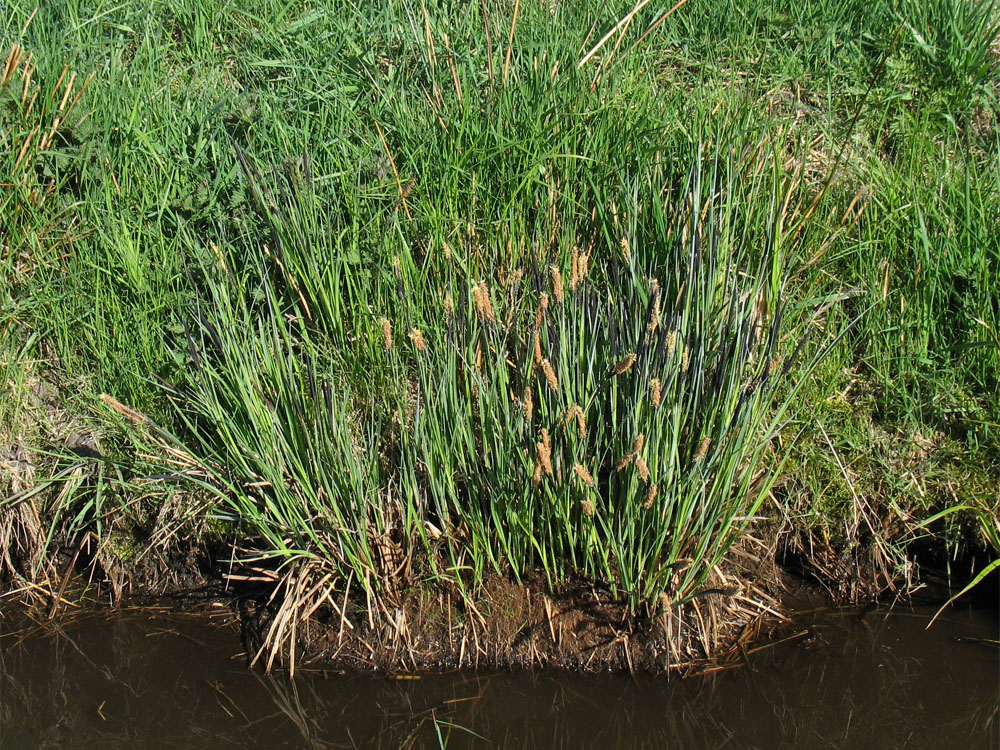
(152, 681)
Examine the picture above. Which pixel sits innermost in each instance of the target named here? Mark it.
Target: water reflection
(153, 681)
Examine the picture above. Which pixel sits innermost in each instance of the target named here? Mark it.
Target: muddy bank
(303, 620)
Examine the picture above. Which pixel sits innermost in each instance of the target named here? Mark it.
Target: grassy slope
(257, 291)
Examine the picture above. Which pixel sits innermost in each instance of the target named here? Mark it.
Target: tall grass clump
(501, 330)
(607, 410)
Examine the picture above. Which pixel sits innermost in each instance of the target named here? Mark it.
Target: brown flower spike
(418, 339)
(387, 332)
(625, 364)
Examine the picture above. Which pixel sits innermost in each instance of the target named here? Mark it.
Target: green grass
(786, 212)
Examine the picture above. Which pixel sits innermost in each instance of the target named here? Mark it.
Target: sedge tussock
(655, 392)
(651, 493)
(418, 340)
(557, 285)
(585, 477)
(386, 332)
(550, 375)
(624, 364)
(641, 467)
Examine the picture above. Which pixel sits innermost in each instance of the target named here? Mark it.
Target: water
(149, 680)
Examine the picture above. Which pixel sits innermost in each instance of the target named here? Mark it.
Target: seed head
(624, 461)
(637, 444)
(387, 332)
(528, 403)
(575, 412)
(418, 339)
(484, 305)
(686, 359)
(543, 305)
(655, 391)
(557, 286)
(536, 341)
(702, 451)
(583, 263)
(584, 475)
(773, 365)
(574, 273)
(671, 343)
(625, 364)
(536, 478)
(550, 375)
(643, 470)
(654, 318)
(651, 493)
(544, 455)
(449, 307)
(587, 506)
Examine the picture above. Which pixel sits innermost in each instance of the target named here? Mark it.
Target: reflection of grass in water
(855, 684)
